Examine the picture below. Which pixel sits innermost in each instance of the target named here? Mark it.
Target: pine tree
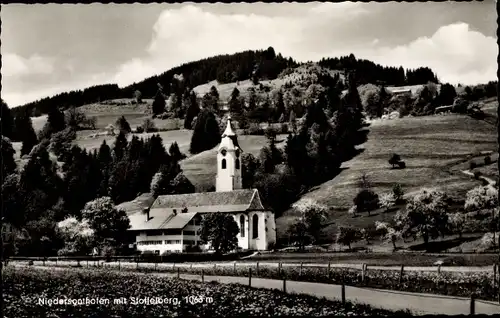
(280, 105)
(104, 155)
(55, 123)
(235, 106)
(7, 162)
(120, 146)
(192, 111)
(7, 121)
(28, 135)
(159, 103)
(206, 134)
(123, 125)
(175, 152)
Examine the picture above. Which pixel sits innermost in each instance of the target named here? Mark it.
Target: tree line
(43, 192)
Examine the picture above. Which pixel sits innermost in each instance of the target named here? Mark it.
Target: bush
(139, 129)
(284, 128)
(401, 165)
(477, 174)
(254, 129)
(149, 126)
(472, 165)
(487, 160)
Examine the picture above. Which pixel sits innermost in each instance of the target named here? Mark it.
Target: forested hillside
(253, 65)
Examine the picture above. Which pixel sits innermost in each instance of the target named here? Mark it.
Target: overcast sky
(48, 49)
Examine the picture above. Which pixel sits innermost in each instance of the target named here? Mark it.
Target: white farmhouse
(172, 222)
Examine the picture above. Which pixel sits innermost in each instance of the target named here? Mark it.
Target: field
(139, 297)
(430, 146)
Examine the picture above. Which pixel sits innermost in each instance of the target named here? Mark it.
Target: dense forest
(369, 72)
(260, 64)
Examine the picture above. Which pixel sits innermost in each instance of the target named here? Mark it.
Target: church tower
(228, 161)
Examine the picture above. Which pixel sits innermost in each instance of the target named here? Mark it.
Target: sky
(53, 48)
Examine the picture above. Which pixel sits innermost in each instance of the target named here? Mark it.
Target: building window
(237, 164)
(150, 243)
(177, 242)
(242, 226)
(168, 242)
(255, 226)
(223, 163)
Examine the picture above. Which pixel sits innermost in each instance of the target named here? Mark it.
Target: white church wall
(242, 240)
(260, 242)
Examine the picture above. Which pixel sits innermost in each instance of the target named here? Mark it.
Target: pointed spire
(229, 129)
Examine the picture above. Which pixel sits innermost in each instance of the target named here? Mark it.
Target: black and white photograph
(312, 159)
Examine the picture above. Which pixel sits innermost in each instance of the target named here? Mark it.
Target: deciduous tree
(219, 230)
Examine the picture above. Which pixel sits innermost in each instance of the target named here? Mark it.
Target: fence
(339, 292)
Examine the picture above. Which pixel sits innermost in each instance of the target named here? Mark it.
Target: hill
(298, 77)
(265, 65)
(432, 148)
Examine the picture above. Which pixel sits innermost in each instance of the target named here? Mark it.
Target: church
(172, 222)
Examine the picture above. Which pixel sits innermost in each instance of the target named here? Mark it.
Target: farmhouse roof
(163, 216)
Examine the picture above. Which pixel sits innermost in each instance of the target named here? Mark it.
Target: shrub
(472, 165)
(149, 126)
(284, 128)
(487, 160)
(398, 192)
(254, 129)
(401, 165)
(139, 129)
(477, 174)
(394, 160)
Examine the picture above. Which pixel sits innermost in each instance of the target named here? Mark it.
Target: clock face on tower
(223, 152)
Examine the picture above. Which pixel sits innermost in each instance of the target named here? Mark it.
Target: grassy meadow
(434, 148)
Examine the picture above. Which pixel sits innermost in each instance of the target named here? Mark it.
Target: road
(247, 264)
(418, 303)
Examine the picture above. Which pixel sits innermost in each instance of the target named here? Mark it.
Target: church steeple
(228, 161)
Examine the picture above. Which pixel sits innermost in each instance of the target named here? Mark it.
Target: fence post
(234, 268)
(439, 269)
(494, 276)
(300, 272)
(202, 276)
(178, 272)
(329, 267)
(250, 277)
(284, 284)
(257, 269)
(343, 293)
(119, 265)
(137, 263)
(472, 304)
(401, 274)
(363, 269)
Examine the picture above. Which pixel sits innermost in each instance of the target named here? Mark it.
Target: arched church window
(255, 226)
(223, 163)
(237, 164)
(242, 226)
